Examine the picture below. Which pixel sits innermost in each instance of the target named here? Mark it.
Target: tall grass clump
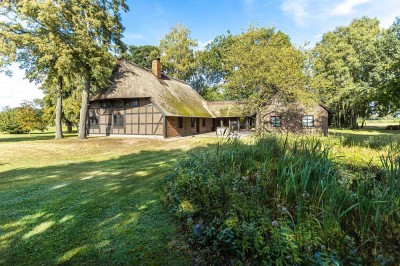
(280, 201)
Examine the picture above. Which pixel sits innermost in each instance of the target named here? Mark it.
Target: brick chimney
(156, 68)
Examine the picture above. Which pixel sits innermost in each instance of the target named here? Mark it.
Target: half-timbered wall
(129, 116)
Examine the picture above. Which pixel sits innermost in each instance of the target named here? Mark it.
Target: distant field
(97, 201)
(382, 122)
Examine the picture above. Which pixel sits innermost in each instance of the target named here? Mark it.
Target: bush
(281, 201)
(23, 119)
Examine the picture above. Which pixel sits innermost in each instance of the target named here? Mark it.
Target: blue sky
(149, 20)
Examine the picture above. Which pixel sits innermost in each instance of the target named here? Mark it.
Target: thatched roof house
(174, 97)
(146, 102)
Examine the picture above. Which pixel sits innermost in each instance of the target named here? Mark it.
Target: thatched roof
(227, 108)
(174, 97)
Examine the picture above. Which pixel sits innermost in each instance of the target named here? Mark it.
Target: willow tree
(177, 53)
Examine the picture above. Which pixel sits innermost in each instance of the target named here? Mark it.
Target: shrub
(281, 201)
(23, 119)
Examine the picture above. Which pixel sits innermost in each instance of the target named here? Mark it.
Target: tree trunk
(69, 126)
(84, 110)
(363, 123)
(59, 133)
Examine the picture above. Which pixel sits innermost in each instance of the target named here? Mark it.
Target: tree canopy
(177, 53)
(142, 55)
(23, 119)
(349, 68)
(57, 39)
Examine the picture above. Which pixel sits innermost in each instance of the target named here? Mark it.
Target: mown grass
(97, 201)
(87, 202)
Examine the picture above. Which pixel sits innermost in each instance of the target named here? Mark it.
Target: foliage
(388, 97)
(284, 201)
(349, 67)
(263, 63)
(8, 121)
(55, 39)
(70, 110)
(210, 73)
(254, 66)
(142, 55)
(177, 53)
(22, 119)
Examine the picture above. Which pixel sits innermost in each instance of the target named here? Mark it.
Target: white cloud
(14, 90)
(202, 45)
(297, 9)
(347, 7)
(321, 13)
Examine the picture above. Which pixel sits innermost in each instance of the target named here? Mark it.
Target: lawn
(97, 201)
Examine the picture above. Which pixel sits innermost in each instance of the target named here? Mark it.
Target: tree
(345, 69)
(23, 119)
(388, 70)
(29, 118)
(142, 55)
(177, 53)
(88, 32)
(97, 29)
(8, 121)
(70, 111)
(262, 64)
(210, 72)
(35, 42)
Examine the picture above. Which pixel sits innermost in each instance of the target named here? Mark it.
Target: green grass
(97, 201)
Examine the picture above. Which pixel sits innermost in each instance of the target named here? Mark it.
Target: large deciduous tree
(79, 37)
(177, 53)
(261, 64)
(388, 69)
(210, 71)
(345, 69)
(142, 55)
(30, 35)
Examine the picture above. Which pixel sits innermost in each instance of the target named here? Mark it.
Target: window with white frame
(276, 121)
(308, 121)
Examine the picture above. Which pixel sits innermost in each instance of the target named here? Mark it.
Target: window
(105, 104)
(204, 122)
(192, 122)
(118, 120)
(93, 118)
(308, 121)
(133, 103)
(118, 104)
(275, 121)
(180, 122)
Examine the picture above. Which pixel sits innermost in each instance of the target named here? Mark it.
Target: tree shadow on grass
(95, 213)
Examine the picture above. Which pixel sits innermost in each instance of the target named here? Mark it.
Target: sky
(149, 20)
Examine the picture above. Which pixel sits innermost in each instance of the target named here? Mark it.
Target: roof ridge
(149, 70)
